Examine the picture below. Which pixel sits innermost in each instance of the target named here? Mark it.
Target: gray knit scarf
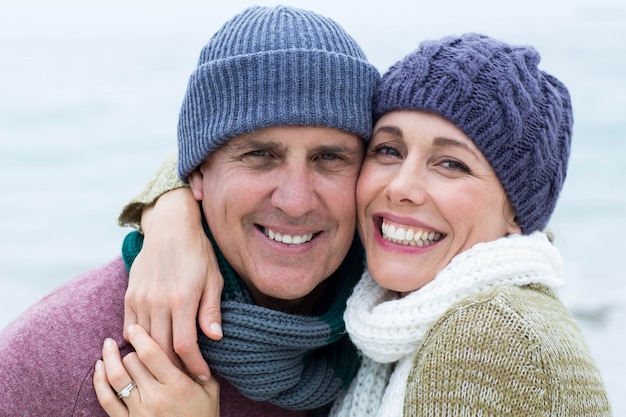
(295, 362)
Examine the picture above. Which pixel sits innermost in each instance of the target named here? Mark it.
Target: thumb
(209, 311)
(212, 387)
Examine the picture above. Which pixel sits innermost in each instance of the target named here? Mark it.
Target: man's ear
(196, 180)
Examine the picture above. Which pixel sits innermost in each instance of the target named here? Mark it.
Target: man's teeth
(406, 236)
(288, 239)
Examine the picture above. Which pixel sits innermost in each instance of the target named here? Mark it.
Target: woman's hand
(175, 278)
(160, 388)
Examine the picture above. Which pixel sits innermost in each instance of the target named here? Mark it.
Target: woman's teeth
(407, 236)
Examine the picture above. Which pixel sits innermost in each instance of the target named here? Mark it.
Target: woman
(457, 314)
(463, 171)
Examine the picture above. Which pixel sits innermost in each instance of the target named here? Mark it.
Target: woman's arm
(175, 278)
(159, 388)
(163, 180)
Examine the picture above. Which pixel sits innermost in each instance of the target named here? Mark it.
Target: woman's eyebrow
(392, 130)
(443, 141)
(448, 142)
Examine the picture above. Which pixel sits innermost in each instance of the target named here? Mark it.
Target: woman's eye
(455, 165)
(386, 150)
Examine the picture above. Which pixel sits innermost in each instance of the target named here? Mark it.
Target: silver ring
(126, 391)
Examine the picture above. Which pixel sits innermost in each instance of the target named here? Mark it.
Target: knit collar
(389, 330)
(293, 361)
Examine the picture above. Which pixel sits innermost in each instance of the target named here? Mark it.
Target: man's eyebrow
(337, 149)
(252, 143)
(249, 143)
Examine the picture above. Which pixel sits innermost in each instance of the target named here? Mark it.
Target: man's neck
(304, 306)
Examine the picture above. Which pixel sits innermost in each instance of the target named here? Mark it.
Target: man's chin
(289, 295)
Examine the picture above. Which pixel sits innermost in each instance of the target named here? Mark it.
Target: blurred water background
(89, 100)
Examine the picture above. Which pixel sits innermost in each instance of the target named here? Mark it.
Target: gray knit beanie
(274, 66)
(517, 115)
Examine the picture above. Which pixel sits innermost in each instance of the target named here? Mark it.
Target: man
(270, 139)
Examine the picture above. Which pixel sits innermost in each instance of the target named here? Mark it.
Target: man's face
(280, 203)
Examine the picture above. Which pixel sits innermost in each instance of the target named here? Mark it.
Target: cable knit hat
(517, 115)
(274, 66)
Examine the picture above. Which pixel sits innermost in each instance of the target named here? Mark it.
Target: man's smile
(288, 239)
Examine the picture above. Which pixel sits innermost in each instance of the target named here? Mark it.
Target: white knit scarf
(389, 330)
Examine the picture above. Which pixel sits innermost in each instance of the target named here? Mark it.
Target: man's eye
(259, 152)
(328, 156)
(259, 159)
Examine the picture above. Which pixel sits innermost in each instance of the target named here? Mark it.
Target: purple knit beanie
(517, 115)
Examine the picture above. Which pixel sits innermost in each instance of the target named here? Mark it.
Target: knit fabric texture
(296, 362)
(274, 66)
(163, 180)
(48, 352)
(512, 352)
(391, 333)
(517, 115)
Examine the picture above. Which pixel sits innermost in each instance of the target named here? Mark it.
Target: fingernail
(216, 329)
(130, 328)
(108, 342)
(203, 378)
(98, 365)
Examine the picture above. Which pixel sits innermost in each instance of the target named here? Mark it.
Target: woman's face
(425, 194)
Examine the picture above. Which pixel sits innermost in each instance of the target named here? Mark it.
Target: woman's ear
(196, 183)
(513, 228)
(509, 214)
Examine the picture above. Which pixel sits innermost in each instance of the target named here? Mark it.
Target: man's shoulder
(94, 299)
(49, 352)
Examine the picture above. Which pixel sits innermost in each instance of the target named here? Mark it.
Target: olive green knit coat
(513, 351)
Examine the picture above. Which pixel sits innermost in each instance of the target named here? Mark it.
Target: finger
(139, 373)
(143, 307)
(162, 333)
(212, 387)
(152, 357)
(186, 343)
(210, 312)
(116, 373)
(151, 312)
(106, 396)
(130, 317)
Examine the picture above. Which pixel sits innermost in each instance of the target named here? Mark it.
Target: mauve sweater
(48, 354)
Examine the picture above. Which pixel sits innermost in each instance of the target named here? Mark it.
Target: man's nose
(296, 194)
